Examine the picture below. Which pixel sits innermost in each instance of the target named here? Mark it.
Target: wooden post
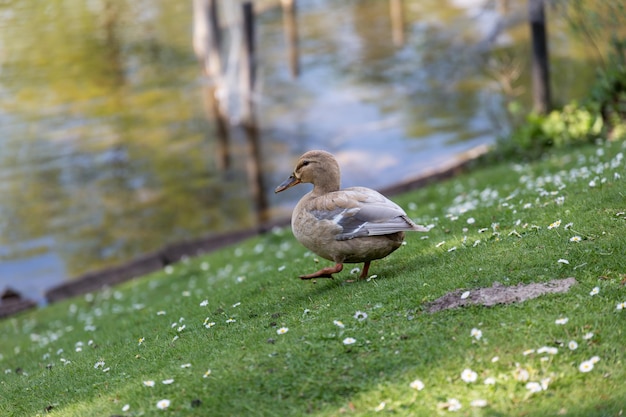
(396, 10)
(540, 70)
(247, 83)
(207, 44)
(214, 112)
(207, 36)
(254, 168)
(248, 63)
(291, 35)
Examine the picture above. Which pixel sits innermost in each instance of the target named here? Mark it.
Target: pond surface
(107, 150)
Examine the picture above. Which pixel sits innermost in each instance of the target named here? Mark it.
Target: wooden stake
(248, 63)
(396, 10)
(540, 60)
(291, 35)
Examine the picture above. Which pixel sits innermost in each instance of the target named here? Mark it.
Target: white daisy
(417, 385)
(349, 341)
(468, 375)
(163, 404)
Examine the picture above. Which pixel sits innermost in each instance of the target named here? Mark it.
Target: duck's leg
(366, 268)
(324, 272)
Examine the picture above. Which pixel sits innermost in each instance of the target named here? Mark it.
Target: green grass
(309, 370)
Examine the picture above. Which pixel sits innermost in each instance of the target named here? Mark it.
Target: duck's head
(319, 168)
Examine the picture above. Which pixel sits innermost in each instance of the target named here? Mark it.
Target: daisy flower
(468, 375)
(207, 374)
(563, 261)
(562, 320)
(594, 291)
(521, 375)
(554, 225)
(479, 403)
(572, 345)
(417, 385)
(476, 333)
(360, 315)
(349, 340)
(167, 381)
(282, 330)
(548, 349)
(575, 239)
(588, 336)
(163, 404)
(339, 324)
(585, 366)
(453, 404)
(533, 387)
(204, 303)
(621, 306)
(148, 383)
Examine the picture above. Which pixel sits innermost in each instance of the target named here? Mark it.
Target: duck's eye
(305, 163)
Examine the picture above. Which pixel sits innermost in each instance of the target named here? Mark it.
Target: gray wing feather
(374, 216)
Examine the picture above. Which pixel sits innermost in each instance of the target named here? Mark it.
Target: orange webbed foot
(324, 272)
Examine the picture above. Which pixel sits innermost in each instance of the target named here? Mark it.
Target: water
(106, 150)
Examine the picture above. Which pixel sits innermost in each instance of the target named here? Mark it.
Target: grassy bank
(236, 333)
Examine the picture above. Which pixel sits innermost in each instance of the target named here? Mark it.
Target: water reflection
(108, 151)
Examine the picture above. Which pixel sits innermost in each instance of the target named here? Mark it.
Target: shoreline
(170, 254)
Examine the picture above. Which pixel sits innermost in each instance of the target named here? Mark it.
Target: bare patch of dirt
(499, 294)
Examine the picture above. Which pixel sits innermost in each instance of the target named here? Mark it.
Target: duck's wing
(362, 212)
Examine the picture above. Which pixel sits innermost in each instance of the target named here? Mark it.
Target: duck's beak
(288, 183)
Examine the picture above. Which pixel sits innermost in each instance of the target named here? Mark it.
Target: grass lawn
(236, 333)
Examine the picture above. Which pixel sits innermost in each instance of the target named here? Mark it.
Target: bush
(574, 124)
(603, 112)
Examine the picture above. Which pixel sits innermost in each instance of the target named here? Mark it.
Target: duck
(351, 225)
